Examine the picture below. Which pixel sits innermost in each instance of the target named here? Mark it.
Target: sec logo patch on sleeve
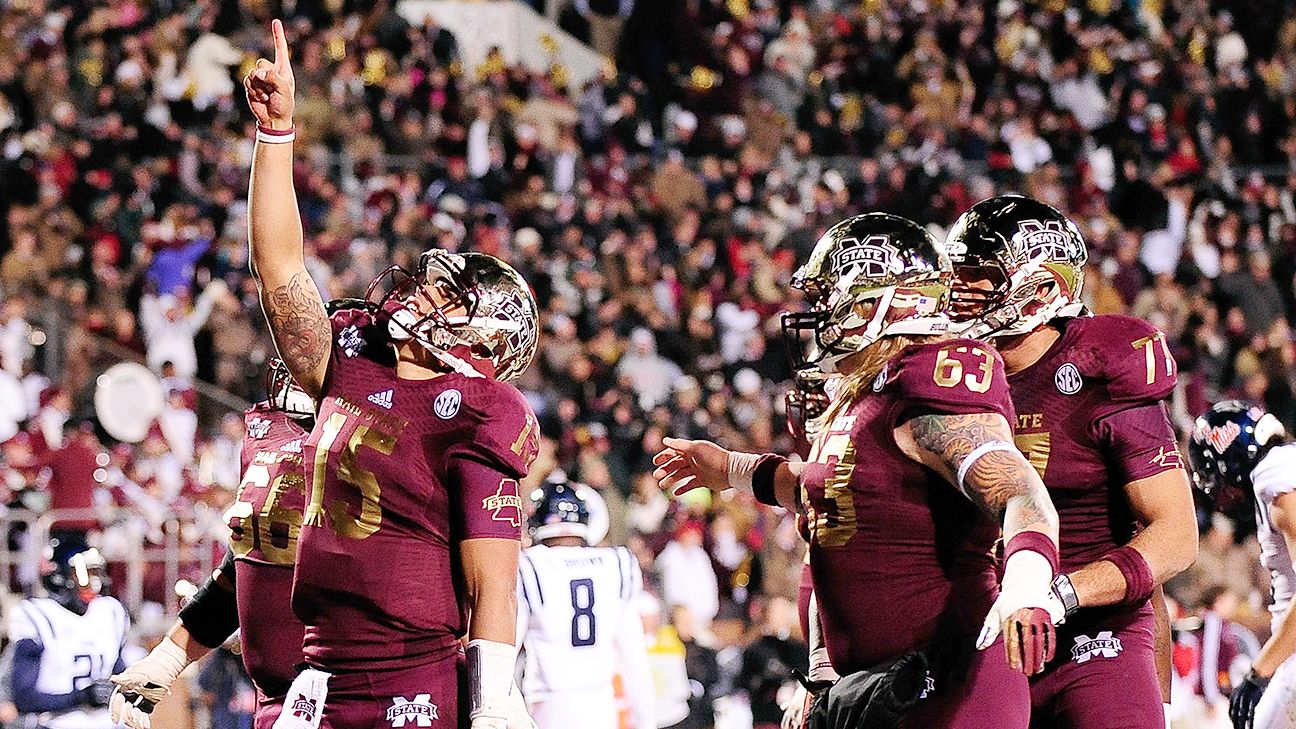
(447, 404)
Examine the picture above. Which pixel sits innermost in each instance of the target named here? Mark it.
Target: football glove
(97, 694)
(1242, 703)
(144, 683)
(1025, 612)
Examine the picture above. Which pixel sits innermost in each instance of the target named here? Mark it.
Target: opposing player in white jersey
(1236, 449)
(68, 644)
(577, 619)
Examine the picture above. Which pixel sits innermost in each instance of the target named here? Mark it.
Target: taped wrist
(1139, 582)
(212, 615)
(740, 469)
(763, 478)
(490, 676)
(170, 660)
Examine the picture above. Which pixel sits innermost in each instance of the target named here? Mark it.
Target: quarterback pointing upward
(410, 536)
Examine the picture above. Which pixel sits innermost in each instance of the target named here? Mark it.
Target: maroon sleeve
(1139, 442)
(1131, 357)
(485, 466)
(954, 377)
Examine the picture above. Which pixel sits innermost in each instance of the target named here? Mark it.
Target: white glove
(144, 683)
(794, 709)
(515, 714)
(1027, 583)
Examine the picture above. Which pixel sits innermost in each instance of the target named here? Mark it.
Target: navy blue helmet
(558, 509)
(1227, 443)
(73, 574)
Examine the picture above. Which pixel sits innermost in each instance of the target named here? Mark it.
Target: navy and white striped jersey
(75, 650)
(579, 625)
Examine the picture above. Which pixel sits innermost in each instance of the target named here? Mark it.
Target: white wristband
(490, 676)
(981, 450)
(274, 136)
(740, 468)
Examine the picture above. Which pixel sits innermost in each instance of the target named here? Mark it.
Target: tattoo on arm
(1001, 482)
(300, 327)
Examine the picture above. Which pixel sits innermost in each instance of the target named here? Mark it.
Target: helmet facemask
(856, 312)
(284, 394)
(1032, 279)
(474, 327)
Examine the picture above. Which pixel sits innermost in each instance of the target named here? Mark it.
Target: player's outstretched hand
(270, 85)
(684, 465)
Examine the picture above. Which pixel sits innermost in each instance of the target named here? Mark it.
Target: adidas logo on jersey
(420, 711)
(382, 399)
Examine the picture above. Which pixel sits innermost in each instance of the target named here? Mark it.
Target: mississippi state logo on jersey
(1102, 645)
(418, 711)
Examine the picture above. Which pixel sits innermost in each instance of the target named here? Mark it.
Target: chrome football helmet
(1018, 264)
(473, 312)
(869, 277)
(283, 392)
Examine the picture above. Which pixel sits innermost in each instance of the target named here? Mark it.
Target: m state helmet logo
(1048, 239)
(505, 507)
(1221, 436)
(1103, 645)
(875, 255)
(420, 711)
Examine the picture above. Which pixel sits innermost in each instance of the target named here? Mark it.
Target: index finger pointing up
(280, 44)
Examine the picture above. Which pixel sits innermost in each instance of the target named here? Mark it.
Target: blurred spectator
(169, 328)
(227, 691)
(768, 663)
(687, 576)
(666, 658)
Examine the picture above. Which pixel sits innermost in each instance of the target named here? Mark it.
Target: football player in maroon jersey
(1089, 393)
(909, 481)
(252, 588)
(413, 523)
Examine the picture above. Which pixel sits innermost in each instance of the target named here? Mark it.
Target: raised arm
(976, 453)
(292, 303)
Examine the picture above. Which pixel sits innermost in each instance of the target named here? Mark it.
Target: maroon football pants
(978, 691)
(422, 696)
(1101, 658)
(267, 711)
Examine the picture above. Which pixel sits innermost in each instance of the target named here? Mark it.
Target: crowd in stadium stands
(657, 211)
